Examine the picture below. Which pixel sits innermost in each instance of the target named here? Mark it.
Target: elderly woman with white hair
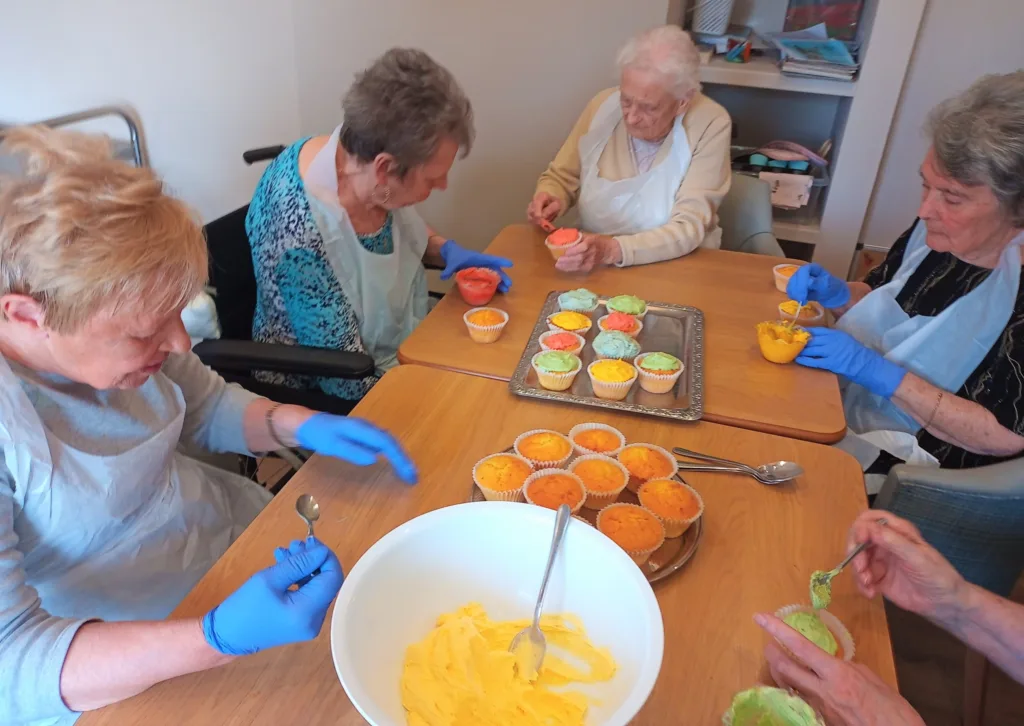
(930, 344)
(105, 522)
(647, 163)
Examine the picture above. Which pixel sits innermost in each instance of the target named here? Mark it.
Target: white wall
(209, 78)
(959, 41)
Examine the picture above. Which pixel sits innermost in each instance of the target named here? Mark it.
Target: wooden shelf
(763, 72)
(808, 232)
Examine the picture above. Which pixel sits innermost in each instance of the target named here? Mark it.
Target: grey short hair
(668, 52)
(405, 104)
(978, 139)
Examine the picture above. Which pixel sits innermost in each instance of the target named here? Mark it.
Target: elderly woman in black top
(932, 342)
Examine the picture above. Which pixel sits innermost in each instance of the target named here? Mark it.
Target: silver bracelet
(269, 418)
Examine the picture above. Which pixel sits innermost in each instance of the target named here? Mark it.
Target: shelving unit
(857, 116)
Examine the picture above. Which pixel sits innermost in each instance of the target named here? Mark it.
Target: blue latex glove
(264, 613)
(839, 352)
(814, 282)
(356, 441)
(459, 258)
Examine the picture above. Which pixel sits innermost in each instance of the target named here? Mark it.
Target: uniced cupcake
(485, 324)
(569, 322)
(620, 322)
(645, 462)
(556, 370)
(551, 488)
(658, 371)
(500, 477)
(632, 528)
(602, 477)
(611, 379)
(629, 304)
(675, 504)
(543, 448)
(596, 438)
(613, 345)
(580, 300)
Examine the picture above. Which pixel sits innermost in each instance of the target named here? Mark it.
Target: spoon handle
(561, 524)
(856, 551)
(683, 466)
(708, 457)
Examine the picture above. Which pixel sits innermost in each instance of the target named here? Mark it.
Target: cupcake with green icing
(580, 300)
(766, 706)
(629, 304)
(658, 371)
(612, 344)
(556, 369)
(821, 628)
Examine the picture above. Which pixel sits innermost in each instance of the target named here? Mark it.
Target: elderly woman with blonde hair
(646, 164)
(105, 524)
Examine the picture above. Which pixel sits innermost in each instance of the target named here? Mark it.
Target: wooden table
(735, 290)
(759, 548)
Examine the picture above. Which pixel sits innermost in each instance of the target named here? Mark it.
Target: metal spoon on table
(309, 510)
(529, 644)
(776, 472)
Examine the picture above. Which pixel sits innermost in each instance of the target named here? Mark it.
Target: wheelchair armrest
(1002, 479)
(246, 355)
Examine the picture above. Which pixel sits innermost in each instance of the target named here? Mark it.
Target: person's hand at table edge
(594, 250)
(458, 258)
(839, 352)
(814, 282)
(354, 440)
(846, 694)
(544, 209)
(264, 612)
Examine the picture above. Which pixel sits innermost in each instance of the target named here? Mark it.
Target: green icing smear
(615, 344)
(556, 361)
(811, 627)
(627, 304)
(763, 706)
(821, 590)
(661, 362)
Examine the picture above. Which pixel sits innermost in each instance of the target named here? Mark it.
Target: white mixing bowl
(492, 553)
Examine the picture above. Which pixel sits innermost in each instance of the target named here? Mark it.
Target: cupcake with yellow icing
(555, 369)
(602, 477)
(645, 462)
(674, 503)
(611, 379)
(596, 438)
(551, 488)
(485, 324)
(658, 371)
(570, 322)
(632, 528)
(500, 477)
(543, 448)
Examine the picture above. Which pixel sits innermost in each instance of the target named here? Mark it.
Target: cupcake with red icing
(620, 323)
(561, 240)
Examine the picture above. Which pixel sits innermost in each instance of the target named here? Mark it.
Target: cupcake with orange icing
(632, 528)
(620, 322)
(561, 240)
(485, 324)
(675, 504)
(500, 477)
(645, 462)
(603, 479)
(543, 448)
(551, 488)
(611, 379)
(596, 438)
(561, 341)
(570, 322)
(658, 371)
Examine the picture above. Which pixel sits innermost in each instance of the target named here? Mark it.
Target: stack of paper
(811, 53)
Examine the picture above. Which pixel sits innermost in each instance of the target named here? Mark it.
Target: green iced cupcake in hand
(814, 629)
(764, 706)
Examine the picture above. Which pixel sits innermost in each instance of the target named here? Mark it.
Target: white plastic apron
(121, 537)
(630, 205)
(943, 349)
(388, 293)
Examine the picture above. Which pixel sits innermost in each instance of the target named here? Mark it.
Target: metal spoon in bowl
(529, 644)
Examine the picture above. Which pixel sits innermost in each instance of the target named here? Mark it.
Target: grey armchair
(745, 217)
(975, 518)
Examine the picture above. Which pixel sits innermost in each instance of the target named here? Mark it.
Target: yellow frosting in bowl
(781, 343)
(462, 673)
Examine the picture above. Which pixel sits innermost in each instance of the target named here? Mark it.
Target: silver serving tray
(674, 329)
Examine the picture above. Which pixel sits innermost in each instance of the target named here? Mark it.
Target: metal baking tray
(674, 329)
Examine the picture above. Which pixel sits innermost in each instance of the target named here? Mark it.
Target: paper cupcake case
(675, 527)
(580, 428)
(494, 495)
(608, 390)
(634, 481)
(579, 339)
(654, 382)
(539, 463)
(600, 500)
(631, 334)
(547, 472)
(838, 630)
(485, 333)
(638, 556)
(556, 381)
